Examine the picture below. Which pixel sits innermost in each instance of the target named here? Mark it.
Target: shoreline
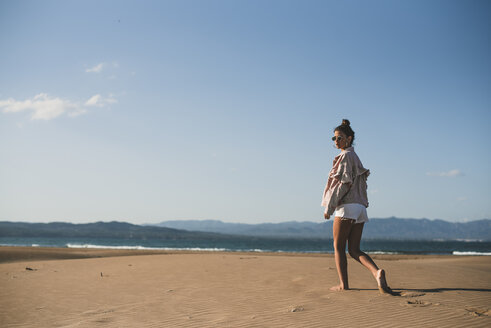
(9, 254)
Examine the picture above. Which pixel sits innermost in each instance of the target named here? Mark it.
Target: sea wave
(456, 248)
(147, 248)
(204, 249)
(382, 253)
(16, 245)
(194, 249)
(471, 253)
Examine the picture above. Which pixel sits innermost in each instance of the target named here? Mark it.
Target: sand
(102, 288)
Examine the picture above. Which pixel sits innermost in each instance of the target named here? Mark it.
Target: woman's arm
(336, 194)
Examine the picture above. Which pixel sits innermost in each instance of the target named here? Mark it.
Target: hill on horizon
(113, 229)
(390, 228)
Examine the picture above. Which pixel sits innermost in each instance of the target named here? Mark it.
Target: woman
(345, 196)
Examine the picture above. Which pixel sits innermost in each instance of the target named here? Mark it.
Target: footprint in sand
(418, 303)
(296, 309)
(478, 312)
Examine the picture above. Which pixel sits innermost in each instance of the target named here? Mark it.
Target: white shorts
(353, 211)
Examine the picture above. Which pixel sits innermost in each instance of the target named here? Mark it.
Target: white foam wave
(383, 253)
(471, 253)
(14, 245)
(195, 249)
(146, 248)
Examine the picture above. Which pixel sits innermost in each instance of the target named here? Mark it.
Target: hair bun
(345, 122)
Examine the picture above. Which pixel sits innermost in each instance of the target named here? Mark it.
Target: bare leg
(341, 230)
(354, 250)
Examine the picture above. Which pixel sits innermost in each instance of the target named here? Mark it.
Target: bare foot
(382, 282)
(338, 288)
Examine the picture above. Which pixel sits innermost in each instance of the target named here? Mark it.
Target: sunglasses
(339, 138)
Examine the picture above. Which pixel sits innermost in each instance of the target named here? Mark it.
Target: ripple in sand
(98, 312)
(410, 294)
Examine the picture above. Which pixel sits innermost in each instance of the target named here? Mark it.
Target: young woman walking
(345, 196)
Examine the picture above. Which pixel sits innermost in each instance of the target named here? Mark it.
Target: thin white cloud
(93, 100)
(44, 107)
(99, 101)
(448, 174)
(96, 69)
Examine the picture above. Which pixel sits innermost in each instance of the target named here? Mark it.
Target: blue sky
(145, 111)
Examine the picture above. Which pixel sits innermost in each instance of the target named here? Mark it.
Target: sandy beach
(43, 287)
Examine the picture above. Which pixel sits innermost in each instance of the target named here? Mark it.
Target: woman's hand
(326, 216)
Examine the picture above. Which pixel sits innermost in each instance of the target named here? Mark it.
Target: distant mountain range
(113, 229)
(391, 228)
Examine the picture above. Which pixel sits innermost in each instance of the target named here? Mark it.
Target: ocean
(256, 244)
